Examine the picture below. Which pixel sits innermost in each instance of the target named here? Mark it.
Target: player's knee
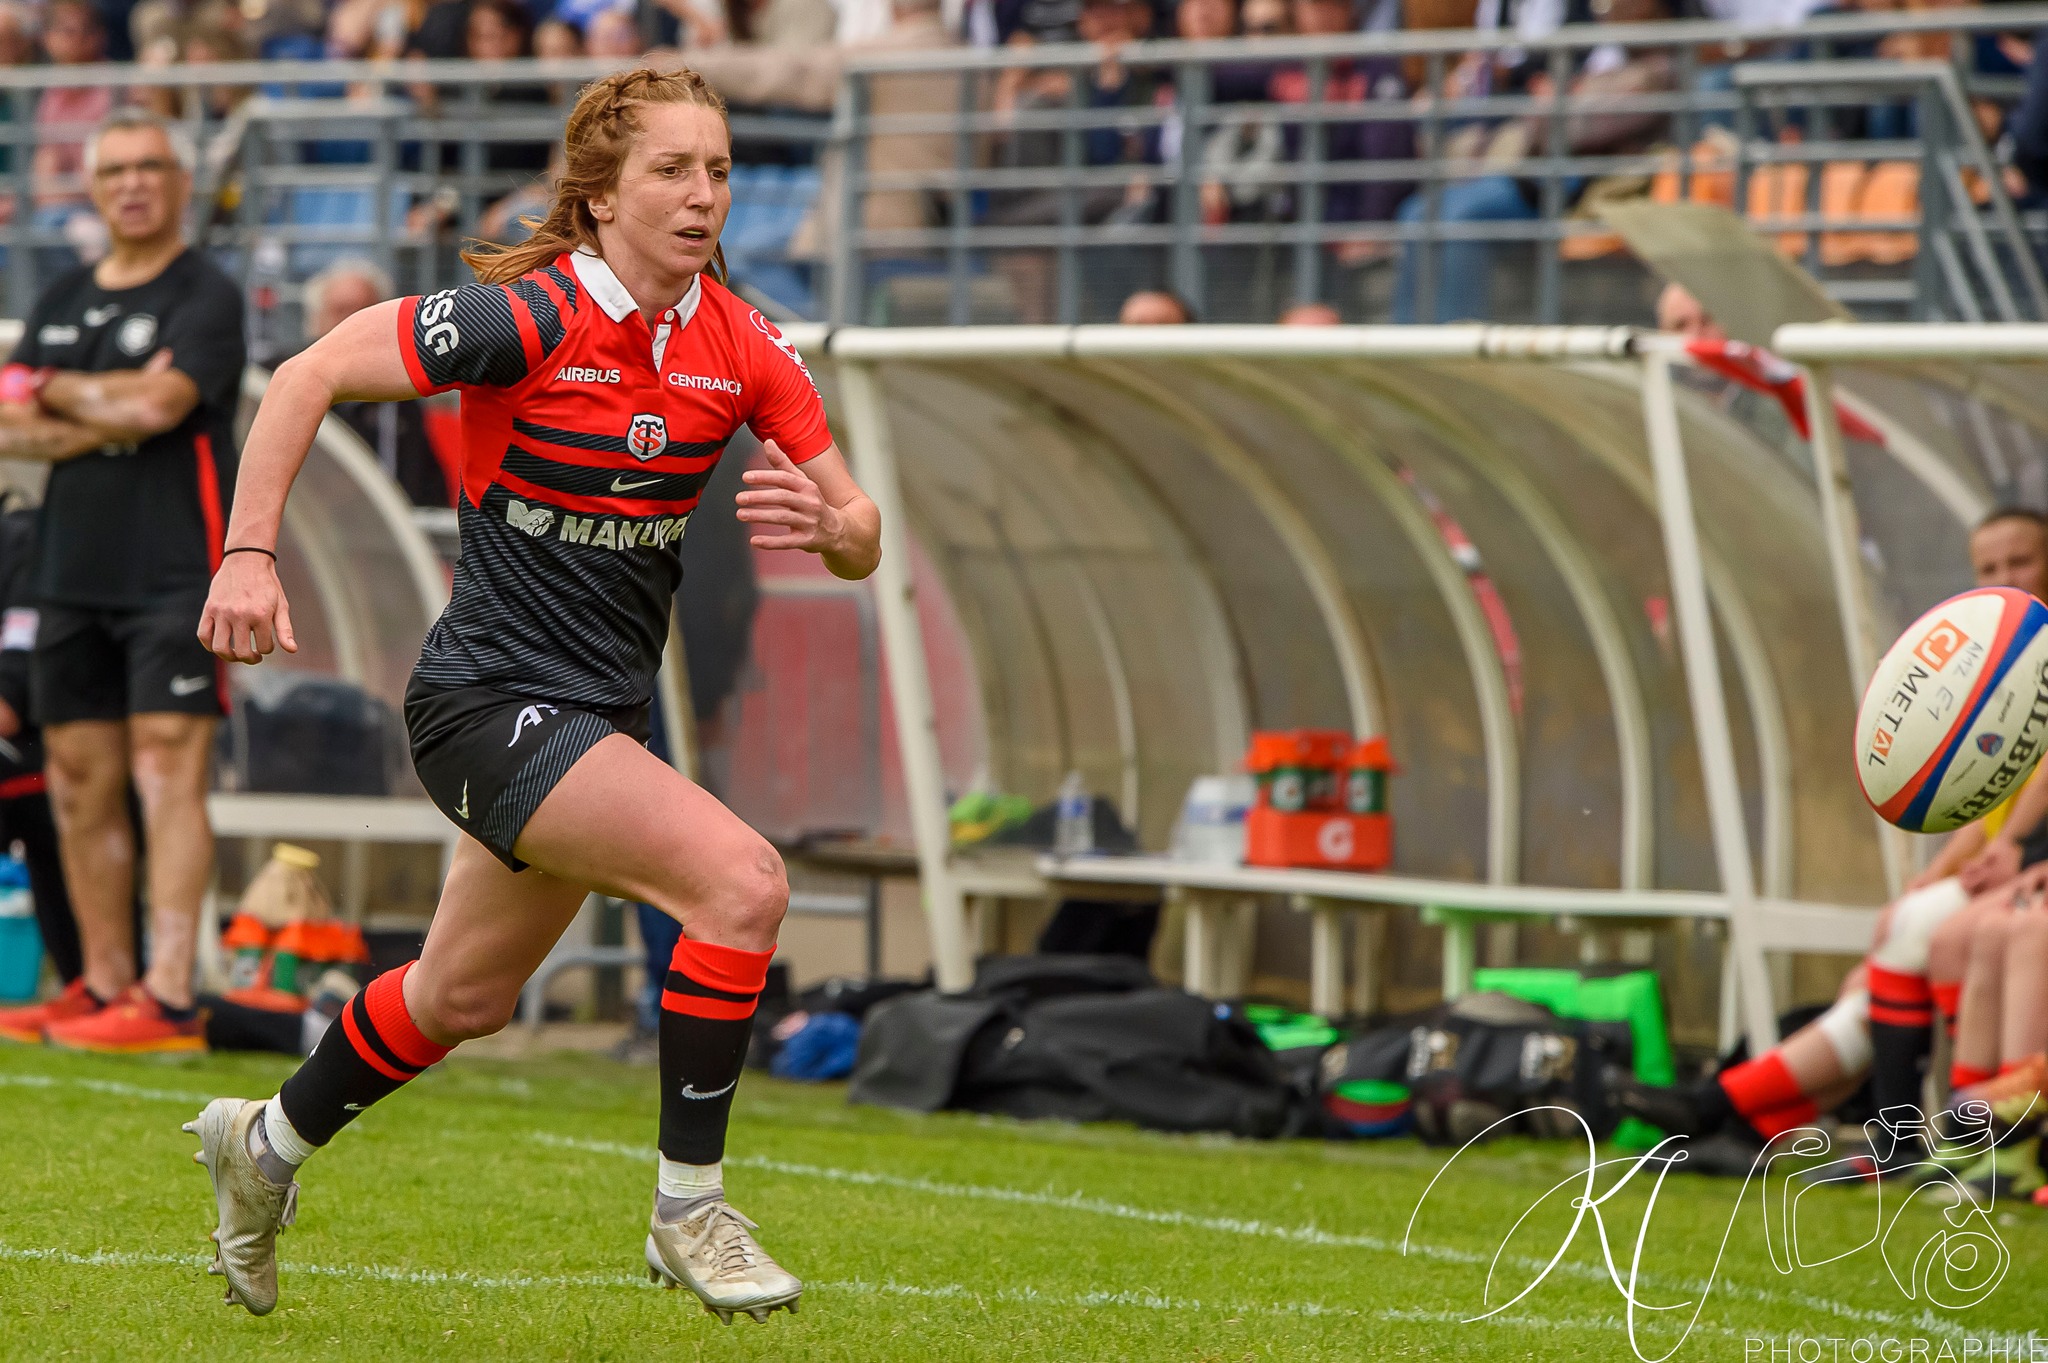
(1912, 924)
(1992, 938)
(756, 893)
(463, 1011)
(1948, 947)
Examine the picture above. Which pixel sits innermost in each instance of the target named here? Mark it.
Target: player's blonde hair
(602, 128)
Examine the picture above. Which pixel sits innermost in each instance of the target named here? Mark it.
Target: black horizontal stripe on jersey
(473, 338)
(562, 282)
(583, 480)
(547, 320)
(679, 983)
(610, 444)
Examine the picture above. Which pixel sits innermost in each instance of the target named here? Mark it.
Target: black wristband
(270, 554)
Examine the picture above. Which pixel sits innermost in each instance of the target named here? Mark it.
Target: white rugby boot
(252, 1208)
(714, 1255)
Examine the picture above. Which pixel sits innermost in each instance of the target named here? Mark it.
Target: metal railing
(306, 162)
(961, 201)
(1005, 186)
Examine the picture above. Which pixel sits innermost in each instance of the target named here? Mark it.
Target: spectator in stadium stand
(1311, 315)
(1246, 138)
(557, 39)
(126, 381)
(1464, 269)
(757, 23)
(442, 32)
(2029, 123)
(17, 48)
(396, 432)
(1881, 1023)
(1110, 84)
(917, 28)
(1155, 308)
(613, 33)
(1366, 80)
(65, 114)
(529, 705)
(1680, 313)
(1021, 23)
(153, 21)
(1264, 18)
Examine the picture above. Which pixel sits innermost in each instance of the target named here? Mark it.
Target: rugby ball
(1957, 713)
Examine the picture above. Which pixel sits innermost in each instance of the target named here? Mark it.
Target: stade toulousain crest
(647, 436)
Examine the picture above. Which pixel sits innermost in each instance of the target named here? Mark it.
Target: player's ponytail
(600, 134)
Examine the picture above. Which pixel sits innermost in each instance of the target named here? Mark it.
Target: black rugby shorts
(488, 758)
(91, 663)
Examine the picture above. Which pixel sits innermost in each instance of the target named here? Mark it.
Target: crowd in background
(1246, 136)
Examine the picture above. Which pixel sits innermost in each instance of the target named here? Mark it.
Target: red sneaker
(26, 1024)
(132, 1023)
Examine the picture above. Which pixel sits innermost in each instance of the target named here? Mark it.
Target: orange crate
(1318, 838)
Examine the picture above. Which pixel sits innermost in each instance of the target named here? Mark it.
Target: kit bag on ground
(1081, 1038)
(1487, 1057)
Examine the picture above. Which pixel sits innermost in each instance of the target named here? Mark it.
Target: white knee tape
(1846, 1025)
(1914, 920)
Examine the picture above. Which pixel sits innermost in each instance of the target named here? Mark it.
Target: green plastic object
(1376, 1091)
(1283, 1029)
(1634, 998)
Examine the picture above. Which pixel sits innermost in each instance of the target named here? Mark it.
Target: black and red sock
(1766, 1095)
(1901, 1036)
(370, 1052)
(707, 1018)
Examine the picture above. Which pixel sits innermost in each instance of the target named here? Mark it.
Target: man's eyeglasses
(155, 167)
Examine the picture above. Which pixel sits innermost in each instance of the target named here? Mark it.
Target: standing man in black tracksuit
(126, 382)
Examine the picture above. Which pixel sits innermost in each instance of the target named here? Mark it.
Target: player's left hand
(783, 495)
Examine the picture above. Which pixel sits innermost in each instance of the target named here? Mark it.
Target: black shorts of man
(126, 382)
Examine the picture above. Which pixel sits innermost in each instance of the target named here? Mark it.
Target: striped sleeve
(478, 335)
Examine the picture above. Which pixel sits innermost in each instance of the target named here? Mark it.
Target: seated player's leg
(627, 823)
(1980, 1008)
(1901, 999)
(2024, 1028)
(491, 929)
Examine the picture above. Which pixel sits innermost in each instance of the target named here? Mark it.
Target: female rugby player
(601, 373)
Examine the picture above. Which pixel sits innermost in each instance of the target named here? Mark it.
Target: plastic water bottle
(1074, 831)
(15, 899)
(1210, 829)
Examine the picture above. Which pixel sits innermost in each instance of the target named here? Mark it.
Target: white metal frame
(854, 353)
(1819, 348)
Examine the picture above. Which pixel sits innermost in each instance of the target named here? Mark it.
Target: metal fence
(969, 202)
(1008, 185)
(303, 163)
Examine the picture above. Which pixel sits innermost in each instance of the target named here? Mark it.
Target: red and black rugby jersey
(587, 436)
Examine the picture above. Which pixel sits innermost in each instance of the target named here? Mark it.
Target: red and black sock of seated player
(707, 1017)
(1763, 1095)
(1901, 1036)
(369, 1053)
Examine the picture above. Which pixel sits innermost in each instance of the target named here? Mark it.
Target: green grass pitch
(495, 1211)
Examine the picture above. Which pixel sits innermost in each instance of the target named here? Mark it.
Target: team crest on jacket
(647, 436)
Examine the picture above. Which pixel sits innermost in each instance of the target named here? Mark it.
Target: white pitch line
(112, 1086)
(1016, 1296)
(1923, 1320)
(1312, 1235)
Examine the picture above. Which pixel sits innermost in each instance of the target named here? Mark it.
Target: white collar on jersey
(611, 295)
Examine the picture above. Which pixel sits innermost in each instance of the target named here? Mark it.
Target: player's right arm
(479, 335)
(359, 361)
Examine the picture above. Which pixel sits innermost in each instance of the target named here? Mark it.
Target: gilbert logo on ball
(1956, 715)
